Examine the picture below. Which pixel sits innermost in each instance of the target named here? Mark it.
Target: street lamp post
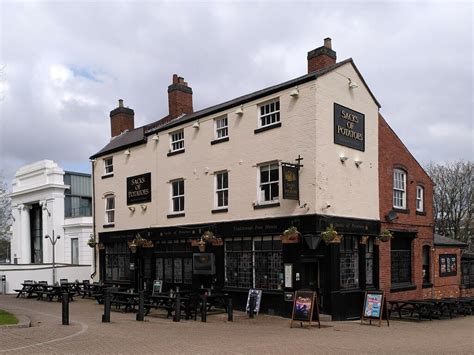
(53, 241)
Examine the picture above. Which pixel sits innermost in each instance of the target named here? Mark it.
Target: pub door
(311, 278)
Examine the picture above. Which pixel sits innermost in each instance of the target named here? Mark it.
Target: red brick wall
(394, 154)
(320, 62)
(447, 286)
(120, 123)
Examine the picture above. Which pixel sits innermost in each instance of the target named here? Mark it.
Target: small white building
(48, 201)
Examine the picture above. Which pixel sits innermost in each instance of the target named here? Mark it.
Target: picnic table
(188, 302)
(127, 299)
(422, 308)
(53, 291)
(28, 290)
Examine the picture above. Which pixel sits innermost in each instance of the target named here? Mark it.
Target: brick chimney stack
(121, 119)
(180, 97)
(321, 57)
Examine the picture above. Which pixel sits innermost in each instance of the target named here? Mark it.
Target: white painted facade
(42, 183)
(306, 129)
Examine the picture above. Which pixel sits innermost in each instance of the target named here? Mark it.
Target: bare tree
(453, 198)
(5, 220)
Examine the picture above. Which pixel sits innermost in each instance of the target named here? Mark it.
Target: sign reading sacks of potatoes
(349, 127)
(139, 189)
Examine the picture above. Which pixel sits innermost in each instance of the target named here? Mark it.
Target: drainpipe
(94, 260)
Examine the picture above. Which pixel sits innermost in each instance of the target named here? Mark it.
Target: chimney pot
(120, 103)
(327, 42)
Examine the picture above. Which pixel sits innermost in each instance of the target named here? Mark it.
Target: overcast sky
(65, 64)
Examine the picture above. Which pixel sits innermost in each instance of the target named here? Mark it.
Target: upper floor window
(110, 209)
(269, 182)
(270, 113)
(108, 166)
(177, 196)
(177, 141)
(221, 127)
(222, 189)
(399, 189)
(420, 199)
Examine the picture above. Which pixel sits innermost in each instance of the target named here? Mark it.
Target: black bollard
(65, 303)
(106, 315)
(141, 306)
(177, 308)
(230, 311)
(204, 309)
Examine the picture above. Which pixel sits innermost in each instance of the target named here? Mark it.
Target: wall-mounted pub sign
(349, 127)
(291, 189)
(139, 189)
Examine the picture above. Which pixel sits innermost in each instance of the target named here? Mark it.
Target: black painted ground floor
(252, 254)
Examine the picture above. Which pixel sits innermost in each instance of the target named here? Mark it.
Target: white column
(25, 235)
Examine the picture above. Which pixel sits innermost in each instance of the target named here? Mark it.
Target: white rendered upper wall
(306, 130)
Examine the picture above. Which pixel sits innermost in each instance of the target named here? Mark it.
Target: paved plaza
(265, 334)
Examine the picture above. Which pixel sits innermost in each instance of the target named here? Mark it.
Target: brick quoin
(393, 154)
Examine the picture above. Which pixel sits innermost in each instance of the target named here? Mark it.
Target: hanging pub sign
(139, 189)
(447, 265)
(291, 189)
(349, 127)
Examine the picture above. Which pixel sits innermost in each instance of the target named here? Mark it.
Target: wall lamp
(156, 138)
(127, 152)
(196, 125)
(295, 92)
(240, 110)
(131, 208)
(358, 162)
(352, 85)
(144, 207)
(343, 159)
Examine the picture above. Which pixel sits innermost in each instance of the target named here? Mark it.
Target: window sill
(427, 285)
(107, 176)
(266, 128)
(175, 215)
(111, 225)
(402, 287)
(220, 140)
(421, 213)
(401, 210)
(266, 205)
(220, 210)
(175, 152)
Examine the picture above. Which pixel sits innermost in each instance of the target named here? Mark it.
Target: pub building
(239, 195)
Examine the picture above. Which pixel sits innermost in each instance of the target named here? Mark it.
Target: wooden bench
(422, 308)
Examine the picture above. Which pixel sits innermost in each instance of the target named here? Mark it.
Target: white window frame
(420, 198)
(108, 168)
(109, 211)
(177, 141)
(221, 131)
(223, 189)
(261, 194)
(399, 189)
(74, 240)
(267, 113)
(173, 197)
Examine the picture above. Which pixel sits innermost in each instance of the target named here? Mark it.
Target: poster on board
(304, 306)
(374, 306)
(254, 295)
(157, 287)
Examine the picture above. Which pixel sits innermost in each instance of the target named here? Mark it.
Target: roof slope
(441, 240)
(138, 135)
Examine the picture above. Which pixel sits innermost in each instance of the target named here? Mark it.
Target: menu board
(257, 294)
(304, 304)
(374, 307)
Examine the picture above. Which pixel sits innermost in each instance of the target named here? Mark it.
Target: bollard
(177, 308)
(65, 303)
(204, 309)
(230, 311)
(106, 315)
(141, 306)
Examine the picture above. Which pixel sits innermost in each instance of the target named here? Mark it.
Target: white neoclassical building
(48, 201)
